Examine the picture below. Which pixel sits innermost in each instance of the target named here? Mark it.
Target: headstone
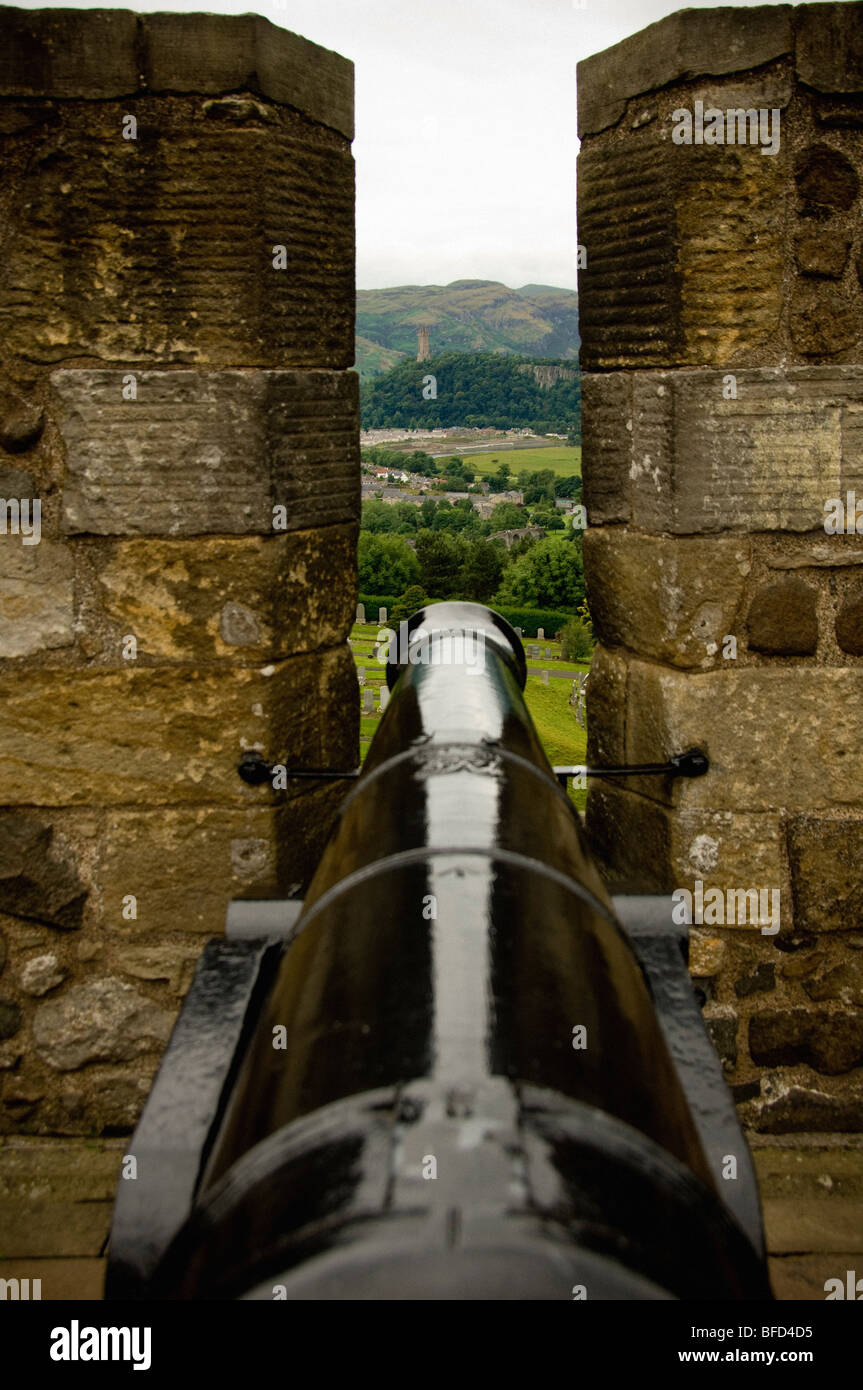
(361, 674)
(368, 700)
(544, 677)
(548, 653)
(534, 651)
(520, 631)
(382, 615)
(540, 632)
(361, 612)
(578, 697)
(385, 697)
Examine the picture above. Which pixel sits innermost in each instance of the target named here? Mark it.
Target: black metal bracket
(255, 771)
(692, 763)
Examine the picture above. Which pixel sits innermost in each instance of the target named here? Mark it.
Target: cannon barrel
(451, 1078)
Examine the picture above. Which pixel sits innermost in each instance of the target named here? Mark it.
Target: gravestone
(361, 674)
(361, 612)
(520, 632)
(385, 698)
(540, 632)
(548, 653)
(544, 675)
(382, 615)
(368, 700)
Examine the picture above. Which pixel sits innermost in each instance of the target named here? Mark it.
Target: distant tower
(423, 353)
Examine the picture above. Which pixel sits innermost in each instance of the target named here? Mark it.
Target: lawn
(563, 460)
(561, 736)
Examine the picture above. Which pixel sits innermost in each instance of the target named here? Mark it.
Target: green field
(564, 460)
(561, 736)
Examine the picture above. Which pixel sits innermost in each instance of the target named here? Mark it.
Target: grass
(562, 737)
(563, 459)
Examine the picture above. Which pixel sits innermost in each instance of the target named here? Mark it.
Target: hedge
(529, 619)
(375, 601)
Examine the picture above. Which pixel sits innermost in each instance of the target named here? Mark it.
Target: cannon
(457, 1069)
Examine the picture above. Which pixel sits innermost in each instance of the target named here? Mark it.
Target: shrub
(412, 599)
(576, 641)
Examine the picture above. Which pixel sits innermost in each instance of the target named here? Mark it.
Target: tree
(376, 516)
(386, 564)
(568, 487)
(411, 600)
(549, 575)
(440, 557)
(549, 520)
(482, 570)
(405, 517)
(506, 516)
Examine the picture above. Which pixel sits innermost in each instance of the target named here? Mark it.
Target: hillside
(475, 390)
(466, 316)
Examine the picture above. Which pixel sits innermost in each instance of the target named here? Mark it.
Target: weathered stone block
(606, 446)
(673, 600)
(21, 419)
(843, 983)
(36, 597)
(824, 855)
(831, 1043)
(606, 709)
(56, 1196)
(652, 848)
(761, 979)
(39, 877)
(688, 460)
(829, 47)
(108, 53)
(183, 865)
(243, 600)
(782, 619)
(99, 1021)
(209, 453)
(849, 625)
(742, 720)
(248, 262)
(685, 243)
(41, 974)
(706, 954)
(720, 1020)
(677, 48)
(822, 251)
(167, 734)
(10, 1018)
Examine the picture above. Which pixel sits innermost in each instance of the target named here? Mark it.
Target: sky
(466, 139)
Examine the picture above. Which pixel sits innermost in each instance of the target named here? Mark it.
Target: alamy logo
(852, 1288)
(733, 127)
(427, 649)
(16, 519)
(843, 519)
(76, 1343)
(18, 1290)
(733, 908)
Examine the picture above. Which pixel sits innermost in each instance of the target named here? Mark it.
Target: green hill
(476, 390)
(466, 316)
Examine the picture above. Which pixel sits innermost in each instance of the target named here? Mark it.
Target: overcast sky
(466, 132)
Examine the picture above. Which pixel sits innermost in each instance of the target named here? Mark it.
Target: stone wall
(176, 329)
(721, 310)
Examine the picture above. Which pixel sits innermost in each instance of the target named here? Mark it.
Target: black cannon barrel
(458, 1086)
